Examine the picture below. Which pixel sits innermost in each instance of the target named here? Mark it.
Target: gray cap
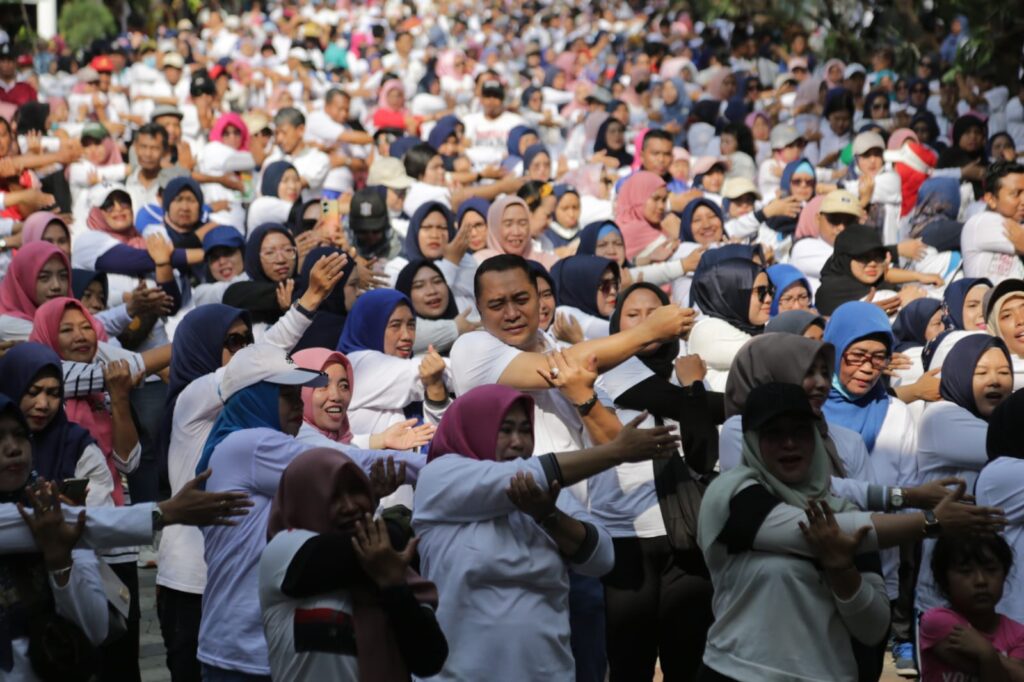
(165, 110)
(784, 135)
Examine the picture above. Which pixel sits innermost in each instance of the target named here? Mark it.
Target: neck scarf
(577, 280)
(723, 291)
(470, 424)
(35, 225)
(318, 359)
(308, 486)
(957, 379)
(912, 322)
(365, 326)
(954, 297)
(58, 446)
(662, 360)
(18, 287)
(404, 285)
(411, 247)
(253, 266)
(252, 407)
(838, 285)
(864, 414)
(783, 276)
(637, 232)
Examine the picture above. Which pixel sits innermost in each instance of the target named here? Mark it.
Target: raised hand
(195, 507)
(574, 379)
(405, 435)
(284, 293)
(54, 536)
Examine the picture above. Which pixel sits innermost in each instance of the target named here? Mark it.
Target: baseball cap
(704, 164)
(994, 296)
(102, 63)
(368, 212)
(734, 188)
(784, 135)
(202, 84)
(855, 68)
(87, 74)
(771, 400)
(94, 130)
(174, 60)
(161, 110)
(265, 362)
(840, 201)
(390, 172)
(99, 194)
(865, 142)
(492, 88)
(223, 236)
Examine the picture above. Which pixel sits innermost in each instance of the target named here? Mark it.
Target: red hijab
(318, 359)
(470, 424)
(637, 232)
(18, 288)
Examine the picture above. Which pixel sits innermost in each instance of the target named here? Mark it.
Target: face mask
(150, 62)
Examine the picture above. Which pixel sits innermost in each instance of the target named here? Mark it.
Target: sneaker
(903, 654)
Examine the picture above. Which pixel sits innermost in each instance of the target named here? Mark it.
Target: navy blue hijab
(272, 175)
(411, 245)
(955, 296)
(686, 229)
(404, 285)
(591, 234)
(364, 328)
(176, 187)
(912, 322)
(81, 279)
(253, 266)
(55, 449)
(444, 129)
(577, 279)
(1005, 428)
(330, 317)
(957, 383)
(723, 289)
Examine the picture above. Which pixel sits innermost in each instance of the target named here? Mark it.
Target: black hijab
(953, 156)
(838, 285)
(601, 143)
(662, 360)
(1005, 436)
(404, 284)
(723, 291)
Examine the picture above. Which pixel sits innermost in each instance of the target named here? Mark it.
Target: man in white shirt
(329, 129)
(312, 164)
(405, 63)
(487, 130)
(149, 146)
(992, 242)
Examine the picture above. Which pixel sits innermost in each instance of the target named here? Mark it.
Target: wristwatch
(932, 529)
(158, 517)
(585, 408)
(896, 498)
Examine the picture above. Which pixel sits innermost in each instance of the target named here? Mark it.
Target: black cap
(202, 84)
(7, 51)
(492, 88)
(1007, 286)
(368, 212)
(768, 401)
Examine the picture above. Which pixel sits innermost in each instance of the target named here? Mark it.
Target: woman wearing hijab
(537, 163)
(280, 188)
(640, 213)
(378, 339)
(657, 597)
(792, 290)
(432, 236)
(1003, 312)
(917, 323)
(760, 523)
(963, 304)
(270, 263)
(39, 272)
(564, 227)
(44, 226)
(52, 579)
(702, 227)
(221, 160)
(977, 376)
(586, 288)
(472, 216)
(508, 231)
(391, 111)
(438, 322)
(611, 139)
(520, 138)
(604, 238)
(675, 108)
(799, 322)
(338, 597)
(530, 535)
(969, 136)
(734, 297)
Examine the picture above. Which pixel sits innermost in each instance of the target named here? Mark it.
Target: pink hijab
(318, 359)
(230, 119)
(90, 412)
(494, 215)
(807, 223)
(18, 287)
(828, 65)
(638, 146)
(382, 96)
(629, 211)
(899, 137)
(36, 224)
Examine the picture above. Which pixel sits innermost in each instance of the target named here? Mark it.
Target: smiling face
(433, 235)
(330, 402)
(787, 447)
(15, 453)
(429, 293)
(993, 381)
(41, 401)
(52, 281)
(76, 338)
(117, 209)
(861, 365)
(760, 307)
(509, 307)
(706, 226)
(56, 234)
(277, 257)
(974, 309)
(611, 247)
(546, 297)
(400, 332)
(225, 263)
(515, 435)
(1011, 324)
(514, 233)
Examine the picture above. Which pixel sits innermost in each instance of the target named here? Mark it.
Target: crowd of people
(531, 342)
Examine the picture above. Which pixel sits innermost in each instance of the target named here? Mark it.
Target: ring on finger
(554, 371)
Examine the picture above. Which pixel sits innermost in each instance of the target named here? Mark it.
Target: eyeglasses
(843, 219)
(235, 342)
(802, 182)
(795, 298)
(608, 286)
(857, 358)
(763, 292)
(286, 251)
(880, 106)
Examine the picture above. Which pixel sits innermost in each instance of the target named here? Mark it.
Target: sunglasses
(764, 291)
(235, 341)
(116, 201)
(844, 219)
(608, 286)
(802, 182)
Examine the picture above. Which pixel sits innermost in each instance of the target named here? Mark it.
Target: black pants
(179, 614)
(658, 604)
(148, 401)
(903, 605)
(706, 674)
(119, 660)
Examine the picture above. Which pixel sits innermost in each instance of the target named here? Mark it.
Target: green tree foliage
(83, 21)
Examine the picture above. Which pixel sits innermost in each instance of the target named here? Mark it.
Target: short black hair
(657, 134)
(417, 158)
(154, 130)
(950, 552)
(999, 170)
(532, 192)
(290, 116)
(502, 263)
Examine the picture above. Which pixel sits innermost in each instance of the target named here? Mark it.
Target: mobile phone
(74, 489)
(329, 207)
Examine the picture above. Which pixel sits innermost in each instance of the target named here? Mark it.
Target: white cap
(99, 193)
(734, 188)
(264, 362)
(299, 53)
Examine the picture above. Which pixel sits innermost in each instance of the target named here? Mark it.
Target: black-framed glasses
(802, 298)
(608, 286)
(877, 256)
(236, 341)
(858, 358)
(843, 219)
(764, 291)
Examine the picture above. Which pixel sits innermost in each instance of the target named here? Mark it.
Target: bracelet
(61, 573)
(584, 408)
(308, 314)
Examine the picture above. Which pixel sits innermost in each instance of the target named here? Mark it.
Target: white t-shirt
(312, 165)
(309, 638)
(987, 251)
(488, 138)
